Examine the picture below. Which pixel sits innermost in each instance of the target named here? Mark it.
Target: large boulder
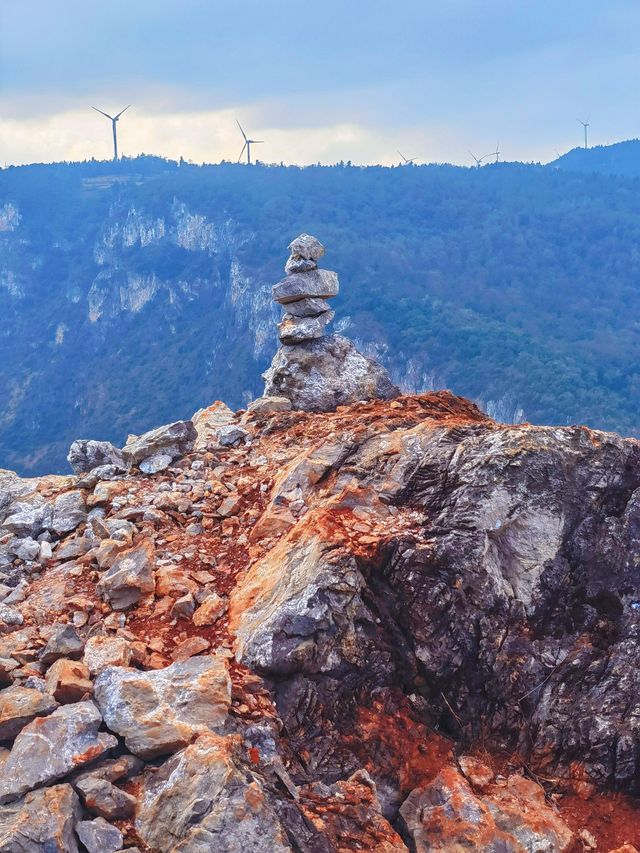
(87, 454)
(319, 375)
(41, 822)
(204, 799)
(172, 440)
(50, 747)
(161, 711)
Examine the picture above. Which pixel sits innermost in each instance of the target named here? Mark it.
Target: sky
(319, 81)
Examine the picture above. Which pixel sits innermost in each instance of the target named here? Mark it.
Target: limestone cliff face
(396, 626)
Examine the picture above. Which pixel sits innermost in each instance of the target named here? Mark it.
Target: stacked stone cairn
(304, 293)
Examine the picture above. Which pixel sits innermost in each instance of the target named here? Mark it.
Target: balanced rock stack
(314, 371)
(304, 292)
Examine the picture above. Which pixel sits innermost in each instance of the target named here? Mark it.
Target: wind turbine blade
(101, 113)
(242, 152)
(122, 111)
(256, 141)
(242, 132)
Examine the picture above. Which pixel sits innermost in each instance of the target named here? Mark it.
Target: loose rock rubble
(395, 625)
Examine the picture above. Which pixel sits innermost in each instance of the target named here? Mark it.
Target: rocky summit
(324, 624)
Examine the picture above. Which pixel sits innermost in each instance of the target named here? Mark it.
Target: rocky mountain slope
(395, 626)
(131, 295)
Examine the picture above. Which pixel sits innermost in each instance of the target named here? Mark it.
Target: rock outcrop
(314, 371)
(396, 626)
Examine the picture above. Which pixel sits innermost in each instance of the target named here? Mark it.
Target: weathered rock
(50, 747)
(173, 440)
(230, 434)
(21, 705)
(68, 681)
(293, 330)
(104, 799)
(269, 405)
(41, 822)
(129, 578)
(157, 462)
(85, 455)
(9, 617)
(69, 510)
(308, 307)
(447, 816)
(112, 769)
(318, 376)
(211, 609)
(207, 421)
(297, 264)
(65, 642)
(306, 246)
(28, 518)
(24, 549)
(160, 712)
(203, 799)
(316, 284)
(102, 652)
(98, 836)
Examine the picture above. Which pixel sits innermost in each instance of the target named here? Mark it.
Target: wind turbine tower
(478, 160)
(585, 125)
(247, 144)
(113, 120)
(407, 161)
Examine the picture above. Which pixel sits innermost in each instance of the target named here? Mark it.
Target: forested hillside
(621, 158)
(132, 294)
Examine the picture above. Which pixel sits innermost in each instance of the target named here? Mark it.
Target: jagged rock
(65, 642)
(318, 376)
(306, 246)
(229, 435)
(50, 747)
(101, 652)
(296, 264)
(19, 706)
(24, 549)
(203, 799)
(113, 769)
(211, 609)
(41, 822)
(69, 510)
(98, 836)
(308, 307)
(316, 284)
(207, 421)
(28, 518)
(447, 816)
(157, 462)
(85, 455)
(129, 578)
(293, 330)
(7, 665)
(160, 712)
(269, 406)
(68, 681)
(104, 799)
(73, 548)
(9, 617)
(173, 440)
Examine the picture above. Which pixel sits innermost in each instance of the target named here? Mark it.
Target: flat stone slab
(293, 330)
(322, 284)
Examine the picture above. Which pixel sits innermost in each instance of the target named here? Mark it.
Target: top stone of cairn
(306, 247)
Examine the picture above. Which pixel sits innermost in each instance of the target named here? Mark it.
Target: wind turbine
(585, 124)
(496, 152)
(113, 120)
(247, 144)
(478, 159)
(407, 162)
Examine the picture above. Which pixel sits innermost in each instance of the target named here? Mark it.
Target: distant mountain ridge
(135, 293)
(620, 158)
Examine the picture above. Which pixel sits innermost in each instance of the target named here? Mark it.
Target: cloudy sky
(318, 81)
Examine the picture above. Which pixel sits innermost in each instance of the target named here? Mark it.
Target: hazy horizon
(339, 83)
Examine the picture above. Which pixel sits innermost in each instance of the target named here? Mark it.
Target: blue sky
(318, 81)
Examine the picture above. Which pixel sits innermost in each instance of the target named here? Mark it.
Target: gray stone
(9, 617)
(104, 799)
(65, 642)
(155, 463)
(28, 518)
(85, 455)
(24, 549)
(50, 747)
(21, 705)
(41, 822)
(293, 330)
(172, 440)
(160, 711)
(69, 510)
(319, 375)
(129, 578)
(73, 548)
(269, 405)
(98, 836)
(321, 284)
(198, 801)
(229, 435)
(296, 264)
(308, 307)
(306, 246)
